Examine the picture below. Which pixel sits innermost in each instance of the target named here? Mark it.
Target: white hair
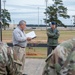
(21, 22)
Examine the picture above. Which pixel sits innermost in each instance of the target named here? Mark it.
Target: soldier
(62, 60)
(53, 35)
(7, 65)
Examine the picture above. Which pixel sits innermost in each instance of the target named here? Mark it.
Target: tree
(56, 10)
(5, 16)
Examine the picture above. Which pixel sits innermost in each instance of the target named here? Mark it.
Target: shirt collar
(20, 29)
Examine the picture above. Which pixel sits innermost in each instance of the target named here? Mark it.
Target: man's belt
(19, 46)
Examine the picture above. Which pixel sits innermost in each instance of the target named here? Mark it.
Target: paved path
(34, 66)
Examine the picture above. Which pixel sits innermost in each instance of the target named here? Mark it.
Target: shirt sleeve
(56, 35)
(50, 34)
(18, 37)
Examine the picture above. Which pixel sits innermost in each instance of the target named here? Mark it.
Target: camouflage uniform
(7, 66)
(62, 60)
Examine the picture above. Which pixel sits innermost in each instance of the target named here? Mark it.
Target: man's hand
(29, 39)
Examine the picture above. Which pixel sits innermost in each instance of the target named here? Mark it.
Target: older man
(19, 45)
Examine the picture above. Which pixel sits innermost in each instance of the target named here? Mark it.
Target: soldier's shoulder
(57, 30)
(1, 44)
(48, 28)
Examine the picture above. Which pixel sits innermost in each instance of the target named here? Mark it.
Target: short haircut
(21, 22)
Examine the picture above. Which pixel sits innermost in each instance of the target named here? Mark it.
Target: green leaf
(5, 16)
(56, 10)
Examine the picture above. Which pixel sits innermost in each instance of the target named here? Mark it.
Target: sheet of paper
(31, 34)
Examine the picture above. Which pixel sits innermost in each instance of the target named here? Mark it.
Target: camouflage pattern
(62, 60)
(7, 65)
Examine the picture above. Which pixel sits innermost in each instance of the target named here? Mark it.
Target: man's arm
(18, 36)
(56, 36)
(50, 34)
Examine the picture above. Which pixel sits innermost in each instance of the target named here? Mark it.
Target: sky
(32, 11)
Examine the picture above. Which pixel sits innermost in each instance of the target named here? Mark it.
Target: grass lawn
(41, 36)
(39, 52)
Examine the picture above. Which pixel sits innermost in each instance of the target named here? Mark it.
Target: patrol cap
(53, 23)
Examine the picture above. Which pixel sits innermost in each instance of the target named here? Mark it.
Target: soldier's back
(7, 66)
